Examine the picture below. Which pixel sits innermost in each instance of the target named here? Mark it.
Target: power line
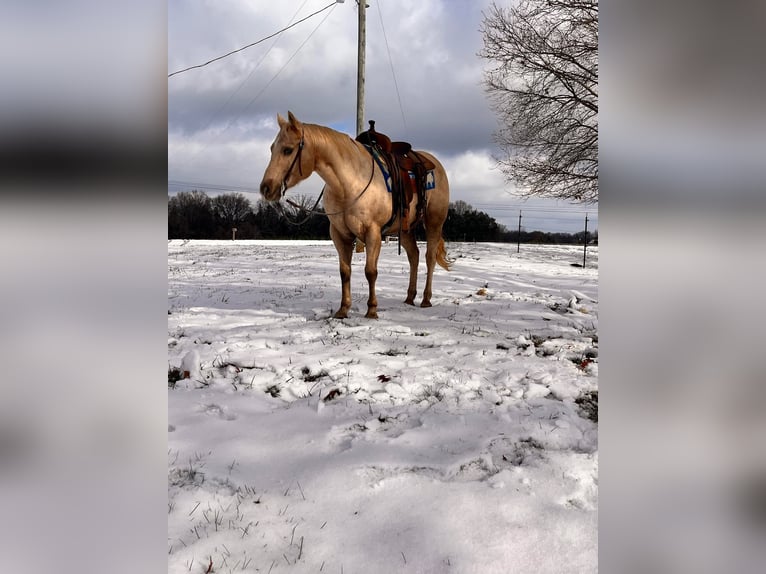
(559, 218)
(561, 212)
(254, 43)
(391, 63)
(552, 218)
(265, 87)
(231, 97)
(290, 59)
(179, 185)
(526, 209)
(189, 185)
(257, 65)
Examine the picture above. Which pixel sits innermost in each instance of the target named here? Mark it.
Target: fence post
(518, 237)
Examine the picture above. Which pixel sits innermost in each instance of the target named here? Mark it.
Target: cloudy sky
(222, 117)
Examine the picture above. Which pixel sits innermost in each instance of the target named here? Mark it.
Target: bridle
(297, 159)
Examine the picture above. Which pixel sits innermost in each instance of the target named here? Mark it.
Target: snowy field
(459, 438)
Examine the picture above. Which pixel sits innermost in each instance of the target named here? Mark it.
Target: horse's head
(288, 165)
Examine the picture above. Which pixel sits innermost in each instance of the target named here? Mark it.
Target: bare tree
(460, 207)
(231, 208)
(544, 88)
(301, 205)
(190, 215)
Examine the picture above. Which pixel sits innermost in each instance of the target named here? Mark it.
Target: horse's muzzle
(270, 192)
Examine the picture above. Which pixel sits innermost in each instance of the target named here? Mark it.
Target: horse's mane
(324, 135)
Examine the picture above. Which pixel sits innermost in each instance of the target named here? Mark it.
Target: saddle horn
(373, 138)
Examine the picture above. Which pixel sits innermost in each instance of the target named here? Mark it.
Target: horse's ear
(293, 120)
(281, 121)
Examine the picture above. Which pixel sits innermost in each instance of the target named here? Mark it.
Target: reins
(313, 210)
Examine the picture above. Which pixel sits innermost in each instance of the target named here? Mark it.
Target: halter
(292, 165)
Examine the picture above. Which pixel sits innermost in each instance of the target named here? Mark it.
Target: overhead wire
(241, 85)
(509, 221)
(290, 59)
(557, 213)
(252, 44)
(391, 63)
(178, 185)
(528, 208)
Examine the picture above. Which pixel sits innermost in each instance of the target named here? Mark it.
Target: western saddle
(408, 171)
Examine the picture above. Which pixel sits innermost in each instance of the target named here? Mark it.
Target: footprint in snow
(339, 439)
(217, 411)
(380, 475)
(375, 429)
(508, 453)
(585, 491)
(476, 469)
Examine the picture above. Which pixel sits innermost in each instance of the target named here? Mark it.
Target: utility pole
(518, 237)
(585, 241)
(362, 40)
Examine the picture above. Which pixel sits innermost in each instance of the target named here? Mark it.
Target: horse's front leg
(372, 245)
(344, 247)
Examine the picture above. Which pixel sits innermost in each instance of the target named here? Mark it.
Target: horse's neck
(338, 160)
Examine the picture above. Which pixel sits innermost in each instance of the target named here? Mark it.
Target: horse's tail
(441, 255)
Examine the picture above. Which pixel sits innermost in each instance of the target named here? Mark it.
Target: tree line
(195, 215)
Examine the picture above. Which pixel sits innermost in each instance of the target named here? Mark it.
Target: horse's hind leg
(413, 254)
(433, 237)
(345, 251)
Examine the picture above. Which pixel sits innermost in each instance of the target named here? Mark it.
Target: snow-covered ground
(459, 438)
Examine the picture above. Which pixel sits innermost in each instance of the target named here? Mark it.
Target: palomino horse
(357, 202)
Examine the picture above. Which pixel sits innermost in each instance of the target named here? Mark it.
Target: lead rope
(313, 210)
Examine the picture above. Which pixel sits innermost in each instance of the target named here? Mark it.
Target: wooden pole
(362, 40)
(518, 237)
(585, 242)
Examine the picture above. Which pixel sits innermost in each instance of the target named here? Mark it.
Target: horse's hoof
(341, 314)
(371, 315)
(409, 302)
(426, 304)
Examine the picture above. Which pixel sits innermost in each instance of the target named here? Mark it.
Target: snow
(449, 439)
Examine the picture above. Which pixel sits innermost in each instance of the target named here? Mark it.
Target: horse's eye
(287, 151)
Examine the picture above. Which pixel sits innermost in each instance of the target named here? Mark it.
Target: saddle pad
(381, 164)
(430, 180)
(430, 183)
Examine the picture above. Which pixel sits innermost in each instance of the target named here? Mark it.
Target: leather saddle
(408, 171)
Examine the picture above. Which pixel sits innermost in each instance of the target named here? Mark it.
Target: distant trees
(194, 215)
(231, 209)
(544, 89)
(295, 222)
(190, 216)
(464, 223)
